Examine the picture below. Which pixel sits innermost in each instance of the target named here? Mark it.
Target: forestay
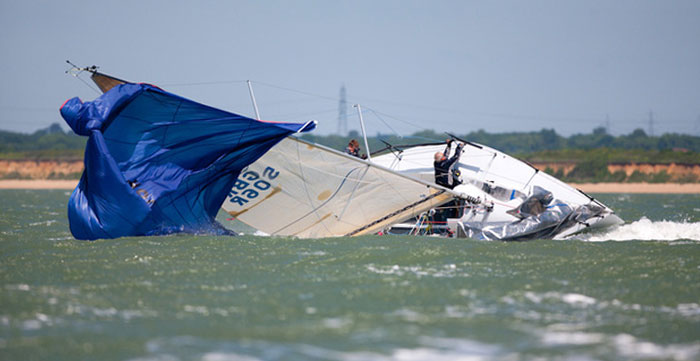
(307, 190)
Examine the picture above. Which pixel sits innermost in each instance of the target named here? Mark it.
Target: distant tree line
(591, 153)
(48, 143)
(544, 145)
(531, 142)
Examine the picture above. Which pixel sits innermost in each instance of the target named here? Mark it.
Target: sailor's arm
(458, 152)
(447, 149)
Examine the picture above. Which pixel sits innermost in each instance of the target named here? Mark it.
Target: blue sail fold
(157, 163)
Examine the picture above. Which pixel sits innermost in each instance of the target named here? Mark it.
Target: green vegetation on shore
(527, 143)
(591, 155)
(51, 143)
(45, 155)
(544, 145)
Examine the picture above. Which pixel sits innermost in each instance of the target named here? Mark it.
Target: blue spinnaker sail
(157, 163)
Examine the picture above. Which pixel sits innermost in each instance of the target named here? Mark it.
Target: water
(627, 293)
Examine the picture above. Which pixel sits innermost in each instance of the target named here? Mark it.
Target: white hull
(502, 183)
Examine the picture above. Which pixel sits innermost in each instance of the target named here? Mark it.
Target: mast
(252, 98)
(364, 133)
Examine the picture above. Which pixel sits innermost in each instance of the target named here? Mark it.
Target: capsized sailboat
(302, 189)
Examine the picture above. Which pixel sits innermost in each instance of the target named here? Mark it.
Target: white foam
(647, 230)
(410, 315)
(631, 347)
(571, 338)
(336, 322)
(446, 271)
(43, 223)
(572, 299)
(578, 299)
(429, 348)
(227, 356)
(18, 287)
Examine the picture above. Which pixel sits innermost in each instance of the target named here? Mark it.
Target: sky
(449, 66)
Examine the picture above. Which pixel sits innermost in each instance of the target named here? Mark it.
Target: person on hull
(443, 164)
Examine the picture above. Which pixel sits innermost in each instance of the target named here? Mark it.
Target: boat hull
(504, 185)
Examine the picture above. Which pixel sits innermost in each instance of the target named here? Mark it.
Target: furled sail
(157, 163)
(307, 190)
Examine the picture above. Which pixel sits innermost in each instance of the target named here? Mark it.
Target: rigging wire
(413, 105)
(398, 119)
(384, 121)
(304, 114)
(455, 111)
(204, 83)
(77, 75)
(88, 84)
(296, 91)
(75, 71)
(337, 99)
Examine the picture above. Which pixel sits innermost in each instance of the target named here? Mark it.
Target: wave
(646, 230)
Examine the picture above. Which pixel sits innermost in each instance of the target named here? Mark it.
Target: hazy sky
(452, 66)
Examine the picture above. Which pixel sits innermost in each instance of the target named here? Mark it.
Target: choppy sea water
(632, 292)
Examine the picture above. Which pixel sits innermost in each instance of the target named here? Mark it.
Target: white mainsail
(310, 191)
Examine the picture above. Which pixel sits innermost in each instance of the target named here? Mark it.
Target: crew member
(354, 149)
(442, 165)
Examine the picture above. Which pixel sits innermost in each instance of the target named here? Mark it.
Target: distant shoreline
(37, 184)
(660, 188)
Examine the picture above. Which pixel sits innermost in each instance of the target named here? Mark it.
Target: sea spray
(646, 230)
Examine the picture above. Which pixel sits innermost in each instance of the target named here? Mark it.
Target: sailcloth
(157, 163)
(310, 191)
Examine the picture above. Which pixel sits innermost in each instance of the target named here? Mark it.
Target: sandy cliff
(44, 169)
(31, 169)
(673, 169)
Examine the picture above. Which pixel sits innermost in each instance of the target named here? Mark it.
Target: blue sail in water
(157, 163)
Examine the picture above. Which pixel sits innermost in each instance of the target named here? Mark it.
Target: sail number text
(250, 185)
